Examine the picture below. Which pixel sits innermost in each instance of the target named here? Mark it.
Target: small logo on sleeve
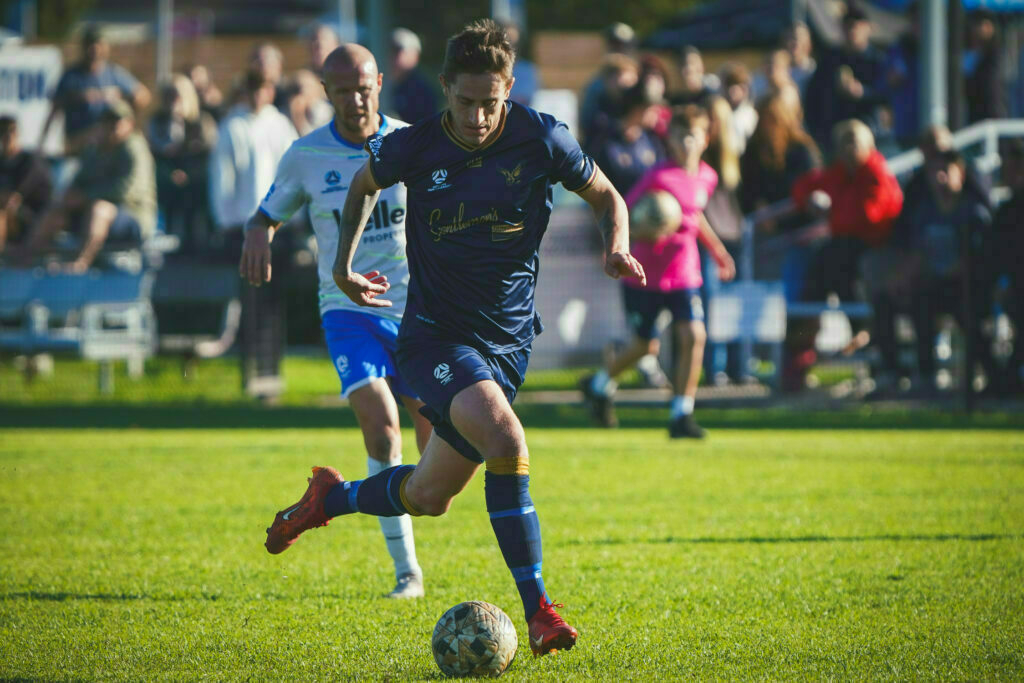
(373, 145)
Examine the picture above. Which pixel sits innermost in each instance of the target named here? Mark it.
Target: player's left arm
(726, 265)
(359, 202)
(613, 222)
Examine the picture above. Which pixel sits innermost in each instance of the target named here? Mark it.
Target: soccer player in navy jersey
(479, 178)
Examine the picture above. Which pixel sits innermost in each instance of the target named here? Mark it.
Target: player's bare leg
(377, 412)
(690, 339)
(483, 416)
(599, 389)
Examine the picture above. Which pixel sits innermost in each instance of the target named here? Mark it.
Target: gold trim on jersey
(593, 177)
(449, 129)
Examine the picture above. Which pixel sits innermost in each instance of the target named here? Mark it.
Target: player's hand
(363, 289)
(254, 266)
(726, 266)
(620, 263)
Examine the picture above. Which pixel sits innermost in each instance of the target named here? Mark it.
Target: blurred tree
(57, 17)
(594, 15)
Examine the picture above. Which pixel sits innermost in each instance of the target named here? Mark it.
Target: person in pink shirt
(672, 264)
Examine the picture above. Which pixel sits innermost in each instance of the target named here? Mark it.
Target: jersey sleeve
(387, 161)
(286, 195)
(571, 165)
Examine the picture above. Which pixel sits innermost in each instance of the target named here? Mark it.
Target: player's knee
(383, 444)
(506, 441)
(653, 346)
(426, 501)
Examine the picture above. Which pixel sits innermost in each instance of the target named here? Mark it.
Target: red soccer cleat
(549, 632)
(308, 513)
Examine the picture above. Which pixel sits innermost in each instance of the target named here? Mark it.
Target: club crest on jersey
(512, 177)
(332, 177)
(439, 177)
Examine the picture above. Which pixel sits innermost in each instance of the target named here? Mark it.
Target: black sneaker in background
(685, 427)
(601, 408)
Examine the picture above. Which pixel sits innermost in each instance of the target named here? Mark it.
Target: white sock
(602, 384)
(681, 405)
(397, 531)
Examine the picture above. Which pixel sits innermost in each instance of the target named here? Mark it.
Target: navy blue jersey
(476, 216)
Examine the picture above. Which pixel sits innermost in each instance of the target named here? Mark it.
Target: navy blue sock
(517, 529)
(379, 495)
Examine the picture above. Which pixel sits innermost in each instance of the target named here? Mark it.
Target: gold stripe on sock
(510, 464)
(413, 512)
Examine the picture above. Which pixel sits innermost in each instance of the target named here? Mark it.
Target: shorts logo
(373, 145)
(332, 177)
(443, 373)
(341, 362)
(439, 176)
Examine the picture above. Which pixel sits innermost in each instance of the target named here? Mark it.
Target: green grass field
(785, 547)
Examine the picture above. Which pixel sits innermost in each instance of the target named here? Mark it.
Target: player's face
(355, 95)
(476, 102)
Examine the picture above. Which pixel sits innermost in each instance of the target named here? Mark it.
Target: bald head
(350, 57)
(352, 84)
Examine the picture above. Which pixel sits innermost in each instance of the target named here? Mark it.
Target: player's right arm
(613, 221)
(285, 196)
(254, 266)
(359, 202)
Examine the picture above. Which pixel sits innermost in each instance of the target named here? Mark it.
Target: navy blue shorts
(438, 370)
(644, 305)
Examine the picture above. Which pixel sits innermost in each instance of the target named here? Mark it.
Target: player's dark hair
(689, 116)
(7, 123)
(480, 48)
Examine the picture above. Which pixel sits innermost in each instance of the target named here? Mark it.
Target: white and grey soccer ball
(474, 638)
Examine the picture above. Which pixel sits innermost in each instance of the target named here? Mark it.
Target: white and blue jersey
(476, 218)
(317, 171)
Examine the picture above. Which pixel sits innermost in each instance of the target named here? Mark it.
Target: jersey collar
(351, 145)
(449, 129)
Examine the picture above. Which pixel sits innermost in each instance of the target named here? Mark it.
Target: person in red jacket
(861, 199)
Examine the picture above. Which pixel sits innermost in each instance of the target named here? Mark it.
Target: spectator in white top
(251, 140)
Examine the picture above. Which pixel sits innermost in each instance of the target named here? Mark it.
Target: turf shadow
(247, 415)
(710, 540)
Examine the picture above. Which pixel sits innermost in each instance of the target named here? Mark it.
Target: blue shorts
(644, 305)
(439, 370)
(362, 348)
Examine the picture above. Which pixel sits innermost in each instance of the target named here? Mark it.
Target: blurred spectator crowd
(812, 124)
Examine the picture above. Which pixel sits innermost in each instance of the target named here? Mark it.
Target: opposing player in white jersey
(316, 171)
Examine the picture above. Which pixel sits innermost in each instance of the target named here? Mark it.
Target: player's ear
(508, 87)
(444, 84)
(380, 80)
